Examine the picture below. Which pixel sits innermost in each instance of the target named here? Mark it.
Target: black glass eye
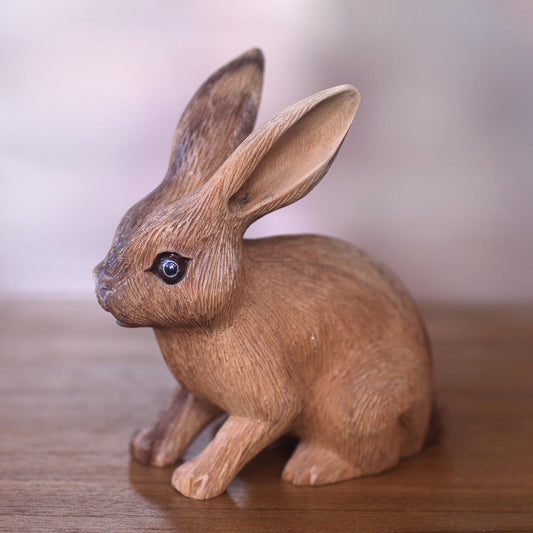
(170, 267)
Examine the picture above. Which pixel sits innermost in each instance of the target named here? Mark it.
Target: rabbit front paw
(147, 447)
(195, 482)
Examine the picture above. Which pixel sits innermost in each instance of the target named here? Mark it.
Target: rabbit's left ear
(286, 157)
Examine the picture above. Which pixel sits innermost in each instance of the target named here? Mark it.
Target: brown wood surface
(73, 387)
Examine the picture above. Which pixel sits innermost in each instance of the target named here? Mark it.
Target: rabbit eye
(170, 267)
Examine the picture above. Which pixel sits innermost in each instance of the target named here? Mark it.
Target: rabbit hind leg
(347, 435)
(313, 464)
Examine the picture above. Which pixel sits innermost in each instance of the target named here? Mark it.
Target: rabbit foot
(191, 481)
(147, 447)
(311, 464)
(163, 443)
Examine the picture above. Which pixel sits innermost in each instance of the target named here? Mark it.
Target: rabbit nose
(98, 270)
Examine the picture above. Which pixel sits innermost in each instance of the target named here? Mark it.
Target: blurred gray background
(434, 178)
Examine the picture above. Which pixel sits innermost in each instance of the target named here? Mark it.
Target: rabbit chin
(135, 318)
(126, 325)
(131, 322)
(123, 319)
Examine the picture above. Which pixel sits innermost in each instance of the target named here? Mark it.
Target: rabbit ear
(220, 115)
(287, 156)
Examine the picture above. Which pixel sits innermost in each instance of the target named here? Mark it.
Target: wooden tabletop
(73, 387)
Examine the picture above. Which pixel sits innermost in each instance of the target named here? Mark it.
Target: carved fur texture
(293, 334)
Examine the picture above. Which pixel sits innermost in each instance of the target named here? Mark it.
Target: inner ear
(298, 153)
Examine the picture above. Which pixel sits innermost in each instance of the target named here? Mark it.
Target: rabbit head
(177, 257)
(219, 116)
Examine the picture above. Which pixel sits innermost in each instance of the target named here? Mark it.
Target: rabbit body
(293, 334)
(354, 380)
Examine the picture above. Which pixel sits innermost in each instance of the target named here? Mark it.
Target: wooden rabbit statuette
(301, 334)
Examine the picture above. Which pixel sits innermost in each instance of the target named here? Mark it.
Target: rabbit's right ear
(218, 118)
(286, 157)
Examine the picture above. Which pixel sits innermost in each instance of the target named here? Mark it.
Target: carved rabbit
(292, 334)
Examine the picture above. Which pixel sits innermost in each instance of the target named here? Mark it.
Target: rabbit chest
(242, 375)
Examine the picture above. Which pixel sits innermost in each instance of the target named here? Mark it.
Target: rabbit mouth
(102, 288)
(102, 295)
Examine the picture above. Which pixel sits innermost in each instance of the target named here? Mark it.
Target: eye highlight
(170, 267)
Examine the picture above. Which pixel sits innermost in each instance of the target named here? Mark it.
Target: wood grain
(69, 396)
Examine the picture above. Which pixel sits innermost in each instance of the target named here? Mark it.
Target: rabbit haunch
(292, 334)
